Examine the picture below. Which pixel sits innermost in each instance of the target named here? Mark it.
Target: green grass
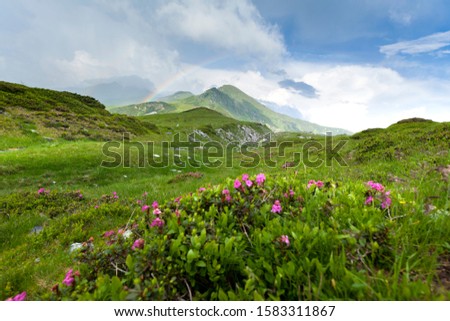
(340, 248)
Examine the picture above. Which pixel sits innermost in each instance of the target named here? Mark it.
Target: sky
(353, 64)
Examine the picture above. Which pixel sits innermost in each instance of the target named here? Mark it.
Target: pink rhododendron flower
(318, 183)
(145, 208)
(376, 186)
(157, 211)
(260, 179)
(41, 190)
(138, 244)
(285, 239)
(69, 279)
(157, 222)
(369, 200)
(249, 183)
(245, 177)
(155, 205)
(19, 297)
(226, 192)
(109, 233)
(237, 183)
(276, 207)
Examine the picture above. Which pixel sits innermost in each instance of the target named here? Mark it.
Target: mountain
(234, 103)
(148, 108)
(205, 124)
(176, 96)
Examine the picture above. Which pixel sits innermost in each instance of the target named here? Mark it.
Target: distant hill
(149, 108)
(205, 124)
(35, 113)
(232, 102)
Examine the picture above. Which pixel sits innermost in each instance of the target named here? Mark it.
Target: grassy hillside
(374, 227)
(206, 125)
(30, 115)
(152, 107)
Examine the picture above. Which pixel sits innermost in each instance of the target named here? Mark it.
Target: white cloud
(422, 45)
(231, 25)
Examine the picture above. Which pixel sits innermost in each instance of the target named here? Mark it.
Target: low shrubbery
(280, 238)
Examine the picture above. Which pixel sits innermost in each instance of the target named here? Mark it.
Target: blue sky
(350, 63)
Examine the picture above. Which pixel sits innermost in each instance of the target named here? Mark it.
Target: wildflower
(177, 212)
(237, 183)
(228, 198)
(145, 194)
(245, 177)
(96, 206)
(157, 222)
(138, 244)
(225, 192)
(145, 208)
(260, 179)
(157, 211)
(201, 189)
(276, 207)
(178, 199)
(69, 279)
(318, 184)
(249, 183)
(285, 239)
(115, 196)
(108, 234)
(291, 193)
(127, 234)
(155, 205)
(376, 186)
(19, 297)
(386, 202)
(41, 190)
(369, 200)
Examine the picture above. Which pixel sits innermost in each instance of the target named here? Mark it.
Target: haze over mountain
(231, 102)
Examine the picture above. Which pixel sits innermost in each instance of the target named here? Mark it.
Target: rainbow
(179, 75)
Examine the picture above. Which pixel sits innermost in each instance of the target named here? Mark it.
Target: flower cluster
(69, 279)
(260, 179)
(138, 244)
(276, 207)
(318, 184)
(43, 191)
(377, 192)
(285, 239)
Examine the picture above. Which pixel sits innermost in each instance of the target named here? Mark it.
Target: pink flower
(178, 199)
(201, 189)
(369, 200)
(177, 212)
(260, 179)
(228, 198)
(115, 196)
(109, 233)
(145, 208)
(19, 297)
(386, 202)
(225, 192)
(96, 206)
(155, 205)
(249, 183)
(245, 177)
(311, 183)
(69, 279)
(145, 194)
(285, 239)
(319, 184)
(138, 244)
(376, 186)
(276, 207)
(157, 211)
(237, 183)
(41, 190)
(291, 193)
(157, 222)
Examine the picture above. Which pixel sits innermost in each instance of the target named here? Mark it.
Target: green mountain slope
(205, 124)
(29, 114)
